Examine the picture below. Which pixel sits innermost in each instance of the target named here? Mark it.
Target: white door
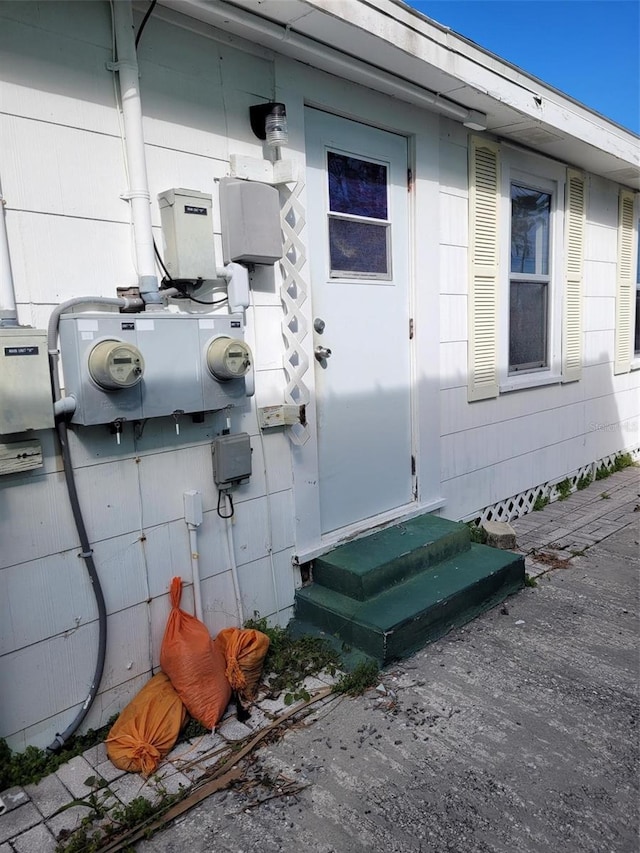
(359, 254)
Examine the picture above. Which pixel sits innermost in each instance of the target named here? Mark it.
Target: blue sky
(589, 49)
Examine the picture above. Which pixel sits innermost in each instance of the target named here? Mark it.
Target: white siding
(494, 449)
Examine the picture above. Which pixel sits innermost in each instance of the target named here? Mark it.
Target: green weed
(32, 765)
(478, 534)
(354, 683)
(622, 461)
(292, 659)
(540, 503)
(564, 489)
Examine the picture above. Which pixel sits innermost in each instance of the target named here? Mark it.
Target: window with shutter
(526, 256)
(484, 203)
(625, 285)
(574, 255)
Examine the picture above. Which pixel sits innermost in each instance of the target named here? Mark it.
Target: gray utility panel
(25, 387)
(188, 234)
(250, 214)
(158, 364)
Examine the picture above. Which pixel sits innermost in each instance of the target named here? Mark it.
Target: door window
(359, 227)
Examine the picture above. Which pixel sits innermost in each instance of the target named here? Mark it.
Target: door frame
(422, 129)
(335, 298)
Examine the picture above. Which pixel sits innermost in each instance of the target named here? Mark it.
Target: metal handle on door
(322, 352)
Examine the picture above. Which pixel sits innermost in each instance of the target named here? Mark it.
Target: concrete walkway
(516, 732)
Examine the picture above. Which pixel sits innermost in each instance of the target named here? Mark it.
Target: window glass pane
(527, 325)
(358, 247)
(357, 186)
(530, 216)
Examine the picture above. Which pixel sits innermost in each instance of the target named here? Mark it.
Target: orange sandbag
(194, 665)
(147, 728)
(244, 652)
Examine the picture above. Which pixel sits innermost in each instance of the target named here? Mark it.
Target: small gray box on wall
(231, 459)
(187, 231)
(250, 213)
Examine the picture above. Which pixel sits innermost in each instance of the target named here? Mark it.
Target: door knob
(322, 352)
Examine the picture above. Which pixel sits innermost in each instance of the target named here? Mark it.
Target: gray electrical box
(136, 366)
(26, 400)
(250, 213)
(187, 231)
(231, 459)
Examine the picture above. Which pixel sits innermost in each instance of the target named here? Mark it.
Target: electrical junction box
(26, 400)
(231, 459)
(250, 214)
(187, 231)
(137, 366)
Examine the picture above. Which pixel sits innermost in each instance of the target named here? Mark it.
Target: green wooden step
(366, 567)
(401, 619)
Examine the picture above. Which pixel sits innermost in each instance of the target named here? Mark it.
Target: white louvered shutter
(484, 201)
(624, 284)
(575, 211)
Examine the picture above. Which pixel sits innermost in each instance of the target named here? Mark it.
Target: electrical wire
(144, 20)
(213, 302)
(161, 262)
(176, 283)
(221, 495)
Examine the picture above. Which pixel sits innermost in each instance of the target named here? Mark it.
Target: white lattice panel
(523, 503)
(294, 291)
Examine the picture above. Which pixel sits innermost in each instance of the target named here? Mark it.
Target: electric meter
(114, 365)
(228, 358)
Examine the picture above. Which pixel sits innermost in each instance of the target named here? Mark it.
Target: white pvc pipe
(193, 516)
(138, 194)
(234, 573)
(195, 570)
(8, 312)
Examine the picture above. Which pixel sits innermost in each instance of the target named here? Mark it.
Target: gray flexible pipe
(86, 553)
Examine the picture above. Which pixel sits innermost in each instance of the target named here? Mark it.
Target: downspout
(138, 193)
(8, 312)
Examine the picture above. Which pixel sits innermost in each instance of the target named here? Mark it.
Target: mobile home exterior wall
(62, 173)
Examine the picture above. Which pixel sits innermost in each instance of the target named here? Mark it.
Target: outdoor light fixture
(476, 120)
(269, 122)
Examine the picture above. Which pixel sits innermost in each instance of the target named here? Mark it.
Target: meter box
(187, 230)
(250, 213)
(132, 367)
(26, 401)
(231, 459)
(227, 363)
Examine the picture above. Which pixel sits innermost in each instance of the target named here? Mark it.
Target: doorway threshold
(368, 525)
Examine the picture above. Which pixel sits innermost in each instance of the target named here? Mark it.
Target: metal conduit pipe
(86, 552)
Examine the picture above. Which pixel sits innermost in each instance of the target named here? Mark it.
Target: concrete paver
(74, 774)
(18, 820)
(36, 840)
(49, 795)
